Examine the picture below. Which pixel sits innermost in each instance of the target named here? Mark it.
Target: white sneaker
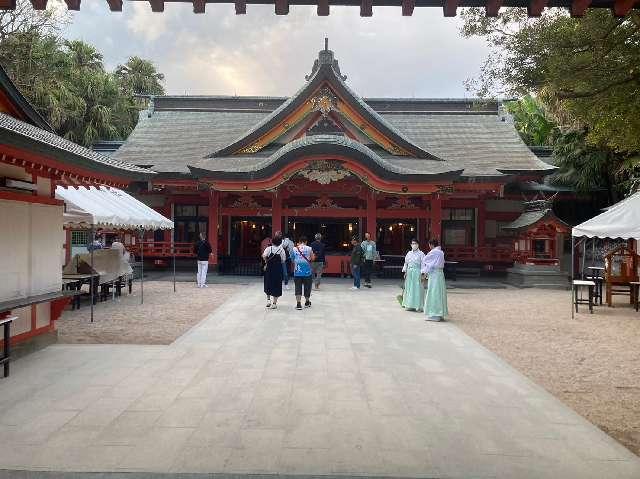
(274, 306)
(205, 286)
(354, 288)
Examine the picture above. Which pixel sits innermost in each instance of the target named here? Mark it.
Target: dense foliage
(585, 74)
(66, 80)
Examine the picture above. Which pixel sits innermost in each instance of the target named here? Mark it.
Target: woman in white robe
(413, 294)
(435, 304)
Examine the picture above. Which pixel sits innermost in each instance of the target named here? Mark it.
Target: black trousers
(367, 268)
(303, 281)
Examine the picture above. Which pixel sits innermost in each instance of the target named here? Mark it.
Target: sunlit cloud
(263, 54)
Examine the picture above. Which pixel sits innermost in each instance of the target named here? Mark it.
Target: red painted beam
(366, 8)
(199, 6)
(622, 7)
(282, 7)
(115, 5)
(323, 8)
(39, 4)
(407, 7)
(492, 8)
(157, 5)
(450, 7)
(73, 4)
(579, 7)
(535, 7)
(241, 7)
(8, 4)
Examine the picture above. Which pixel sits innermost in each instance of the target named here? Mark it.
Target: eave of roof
(530, 218)
(20, 102)
(325, 145)
(18, 134)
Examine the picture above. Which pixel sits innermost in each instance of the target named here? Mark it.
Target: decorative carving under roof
(245, 202)
(324, 171)
(322, 203)
(403, 203)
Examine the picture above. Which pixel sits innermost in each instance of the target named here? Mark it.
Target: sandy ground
(591, 363)
(162, 318)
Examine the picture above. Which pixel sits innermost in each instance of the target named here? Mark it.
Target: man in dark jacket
(357, 260)
(203, 251)
(318, 263)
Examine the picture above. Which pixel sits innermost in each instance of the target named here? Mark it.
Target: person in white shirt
(288, 246)
(435, 304)
(413, 293)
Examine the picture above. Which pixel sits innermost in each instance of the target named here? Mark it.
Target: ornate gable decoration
(324, 101)
(324, 171)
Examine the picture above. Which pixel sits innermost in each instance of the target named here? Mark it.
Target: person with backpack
(302, 257)
(274, 258)
(318, 263)
(288, 246)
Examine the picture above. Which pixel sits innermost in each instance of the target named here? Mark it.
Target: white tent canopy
(621, 220)
(108, 207)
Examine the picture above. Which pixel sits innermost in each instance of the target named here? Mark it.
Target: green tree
(532, 121)
(66, 81)
(585, 70)
(140, 77)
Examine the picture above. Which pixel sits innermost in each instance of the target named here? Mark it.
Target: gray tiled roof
(21, 134)
(480, 144)
(529, 218)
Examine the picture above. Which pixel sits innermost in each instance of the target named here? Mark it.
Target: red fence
(162, 249)
(481, 254)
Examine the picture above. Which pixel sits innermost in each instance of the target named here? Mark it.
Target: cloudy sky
(220, 53)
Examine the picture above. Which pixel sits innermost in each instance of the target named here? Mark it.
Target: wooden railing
(482, 254)
(162, 249)
(530, 257)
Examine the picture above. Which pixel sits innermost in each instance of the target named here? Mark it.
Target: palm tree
(140, 77)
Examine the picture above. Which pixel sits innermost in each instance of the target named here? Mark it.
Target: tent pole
(141, 266)
(92, 280)
(584, 257)
(573, 268)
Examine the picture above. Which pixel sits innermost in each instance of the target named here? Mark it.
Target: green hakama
(413, 294)
(435, 304)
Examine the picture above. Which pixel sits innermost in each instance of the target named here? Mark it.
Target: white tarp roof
(108, 207)
(621, 220)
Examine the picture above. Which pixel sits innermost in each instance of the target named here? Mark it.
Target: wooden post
(214, 208)
(436, 218)
(276, 212)
(372, 206)
(480, 227)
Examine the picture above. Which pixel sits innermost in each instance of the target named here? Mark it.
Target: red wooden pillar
(214, 208)
(436, 218)
(276, 212)
(372, 214)
(482, 215)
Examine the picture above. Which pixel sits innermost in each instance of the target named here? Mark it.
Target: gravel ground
(591, 363)
(162, 318)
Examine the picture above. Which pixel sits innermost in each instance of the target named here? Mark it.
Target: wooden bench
(5, 359)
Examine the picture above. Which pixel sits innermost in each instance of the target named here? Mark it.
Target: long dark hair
(277, 241)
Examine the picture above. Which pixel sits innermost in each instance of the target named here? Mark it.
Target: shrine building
(326, 160)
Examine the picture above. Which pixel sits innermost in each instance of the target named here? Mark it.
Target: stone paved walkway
(352, 386)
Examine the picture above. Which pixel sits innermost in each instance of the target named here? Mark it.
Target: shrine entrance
(336, 232)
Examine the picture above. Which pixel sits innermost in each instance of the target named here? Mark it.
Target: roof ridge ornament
(326, 57)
